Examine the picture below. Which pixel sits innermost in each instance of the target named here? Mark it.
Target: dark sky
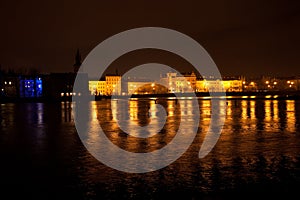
(243, 37)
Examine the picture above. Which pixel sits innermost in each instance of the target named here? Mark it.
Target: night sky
(243, 37)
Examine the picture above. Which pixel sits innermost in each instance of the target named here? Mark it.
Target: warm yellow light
(269, 86)
(244, 82)
(267, 82)
(152, 84)
(275, 83)
(252, 83)
(288, 82)
(292, 82)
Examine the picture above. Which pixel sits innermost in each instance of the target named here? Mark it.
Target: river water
(258, 152)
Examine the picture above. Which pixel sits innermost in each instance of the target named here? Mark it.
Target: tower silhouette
(77, 63)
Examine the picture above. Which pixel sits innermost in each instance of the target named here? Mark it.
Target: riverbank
(200, 95)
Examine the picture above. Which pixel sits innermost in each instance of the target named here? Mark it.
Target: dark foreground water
(258, 153)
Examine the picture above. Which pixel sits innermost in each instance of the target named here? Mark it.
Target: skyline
(251, 38)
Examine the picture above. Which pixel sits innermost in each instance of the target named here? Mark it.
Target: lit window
(5, 82)
(62, 94)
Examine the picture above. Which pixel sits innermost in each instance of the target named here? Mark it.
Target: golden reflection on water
(252, 109)
(255, 143)
(272, 115)
(290, 115)
(242, 116)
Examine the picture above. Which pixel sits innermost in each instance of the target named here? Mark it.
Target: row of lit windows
(70, 94)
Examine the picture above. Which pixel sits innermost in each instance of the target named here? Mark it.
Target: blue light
(31, 87)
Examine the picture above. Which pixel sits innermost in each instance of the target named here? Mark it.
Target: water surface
(43, 157)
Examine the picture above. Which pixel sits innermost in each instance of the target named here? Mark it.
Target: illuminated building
(234, 85)
(138, 87)
(229, 85)
(31, 87)
(110, 86)
(191, 79)
(97, 87)
(113, 84)
(10, 86)
(201, 86)
(179, 84)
